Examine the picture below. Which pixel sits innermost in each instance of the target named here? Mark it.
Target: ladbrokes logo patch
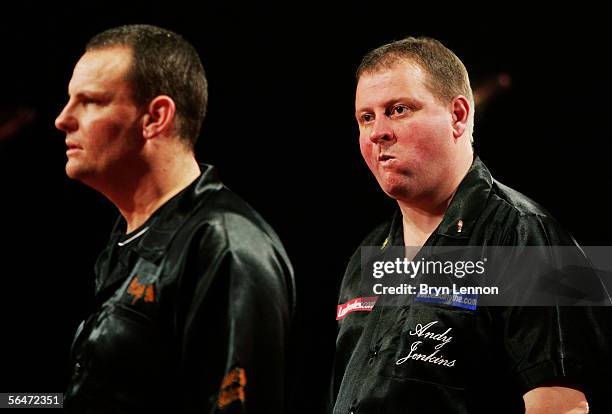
(357, 304)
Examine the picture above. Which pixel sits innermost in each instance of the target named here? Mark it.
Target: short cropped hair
(448, 76)
(163, 64)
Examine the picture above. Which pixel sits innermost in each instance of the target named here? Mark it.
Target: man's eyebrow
(389, 102)
(402, 99)
(90, 93)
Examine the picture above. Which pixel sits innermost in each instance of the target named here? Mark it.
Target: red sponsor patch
(357, 304)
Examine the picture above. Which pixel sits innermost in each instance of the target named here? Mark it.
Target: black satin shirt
(195, 317)
(496, 354)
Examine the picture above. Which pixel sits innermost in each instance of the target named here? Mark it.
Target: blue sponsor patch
(467, 301)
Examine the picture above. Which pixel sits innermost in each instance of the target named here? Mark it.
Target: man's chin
(395, 194)
(394, 190)
(75, 172)
(71, 171)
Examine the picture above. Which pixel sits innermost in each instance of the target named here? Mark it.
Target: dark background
(280, 127)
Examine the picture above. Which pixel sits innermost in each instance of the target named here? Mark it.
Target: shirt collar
(463, 211)
(468, 202)
(153, 244)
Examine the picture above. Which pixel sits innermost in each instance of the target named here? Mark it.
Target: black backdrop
(280, 128)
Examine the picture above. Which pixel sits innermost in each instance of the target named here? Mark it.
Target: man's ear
(461, 109)
(159, 117)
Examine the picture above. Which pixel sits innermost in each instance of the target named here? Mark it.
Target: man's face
(405, 132)
(101, 119)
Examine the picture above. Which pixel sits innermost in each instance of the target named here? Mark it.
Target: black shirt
(487, 357)
(121, 252)
(194, 316)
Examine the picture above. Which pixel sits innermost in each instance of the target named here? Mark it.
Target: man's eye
(87, 101)
(399, 110)
(366, 118)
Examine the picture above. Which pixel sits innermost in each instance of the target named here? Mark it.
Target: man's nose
(381, 130)
(65, 121)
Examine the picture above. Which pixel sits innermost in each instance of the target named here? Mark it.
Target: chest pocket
(432, 344)
(122, 342)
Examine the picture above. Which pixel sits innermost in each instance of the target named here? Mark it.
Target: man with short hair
(415, 112)
(194, 292)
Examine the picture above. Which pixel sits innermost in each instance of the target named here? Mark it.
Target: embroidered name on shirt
(441, 339)
(357, 304)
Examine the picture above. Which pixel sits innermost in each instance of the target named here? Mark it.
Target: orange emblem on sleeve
(140, 291)
(232, 387)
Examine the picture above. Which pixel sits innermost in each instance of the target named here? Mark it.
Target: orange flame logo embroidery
(232, 387)
(140, 291)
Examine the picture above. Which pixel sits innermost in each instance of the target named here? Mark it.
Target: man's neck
(153, 188)
(420, 220)
(419, 224)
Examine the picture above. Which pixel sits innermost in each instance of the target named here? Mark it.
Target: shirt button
(372, 357)
(77, 368)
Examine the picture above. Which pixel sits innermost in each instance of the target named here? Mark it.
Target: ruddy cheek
(105, 130)
(366, 149)
(370, 162)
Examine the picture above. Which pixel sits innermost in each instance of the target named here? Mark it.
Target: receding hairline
(128, 49)
(129, 67)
